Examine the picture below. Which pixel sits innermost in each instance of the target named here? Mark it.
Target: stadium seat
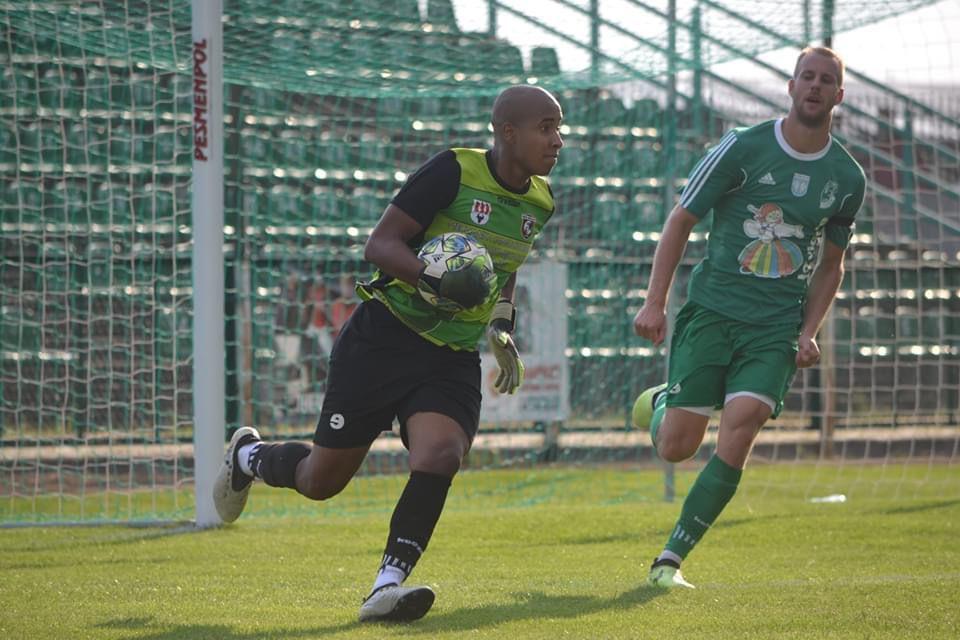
(96, 90)
(441, 13)
(164, 141)
(76, 143)
(608, 160)
(608, 220)
(121, 96)
(24, 88)
(121, 149)
(291, 151)
(51, 88)
(644, 113)
(647, 215)
(367, 207)
(609, 112)
(644, 160)
(54, 203)
(572, 158)
(8, 142)
(326, 207)
(29, 136)
(332, 154)
(143, 92)
(933, 326)
(506, 59)
(543, 62)
(387, 12)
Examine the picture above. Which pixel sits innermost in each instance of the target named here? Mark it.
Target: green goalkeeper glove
(501, 343)
(466, 288)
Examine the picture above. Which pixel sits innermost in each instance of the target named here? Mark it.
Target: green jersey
(457, 190)
(772, 207)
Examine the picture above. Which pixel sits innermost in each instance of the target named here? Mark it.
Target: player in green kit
(398, 357)
(784, 195)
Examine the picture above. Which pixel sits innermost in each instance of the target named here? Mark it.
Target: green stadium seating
(51, 88)
(610, 112)
(97, 91)
(367, 208)
(8, 142)
(440, 12)
(543, 62)
(143, 92)
(164, 146)
(29, 136)
(644, 113)
(644, 160)
(24, 88)
(332, 154)
(121, 148)
(647, 215)
(608, 160)
(389, 13)
(506, 59)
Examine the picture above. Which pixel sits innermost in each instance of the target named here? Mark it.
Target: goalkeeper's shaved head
(526, 133)
(519, 104)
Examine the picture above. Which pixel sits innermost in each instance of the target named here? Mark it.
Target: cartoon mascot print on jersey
(770, 255)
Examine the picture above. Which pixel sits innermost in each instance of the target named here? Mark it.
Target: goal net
(328, 106)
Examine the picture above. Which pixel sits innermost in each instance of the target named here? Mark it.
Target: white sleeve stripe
(701, 174)
(701, 170)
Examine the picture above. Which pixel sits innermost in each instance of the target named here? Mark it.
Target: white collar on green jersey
(793, 153)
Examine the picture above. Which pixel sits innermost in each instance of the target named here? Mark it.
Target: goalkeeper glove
(501, 343)
(465, 287)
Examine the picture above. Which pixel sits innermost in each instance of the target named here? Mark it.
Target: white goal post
(208, 272)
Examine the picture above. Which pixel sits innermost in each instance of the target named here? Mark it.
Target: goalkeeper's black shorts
(380, 370)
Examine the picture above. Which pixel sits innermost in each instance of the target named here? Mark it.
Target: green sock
(711, 492)
(659, 409)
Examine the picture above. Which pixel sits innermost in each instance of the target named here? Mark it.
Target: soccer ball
(453, 251)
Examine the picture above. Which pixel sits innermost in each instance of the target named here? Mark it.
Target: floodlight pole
(208, 288)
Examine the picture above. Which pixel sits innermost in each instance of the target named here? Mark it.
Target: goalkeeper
(756, 302)
(400, 358)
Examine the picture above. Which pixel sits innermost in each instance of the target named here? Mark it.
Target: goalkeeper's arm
(388, 248)
(499, 335)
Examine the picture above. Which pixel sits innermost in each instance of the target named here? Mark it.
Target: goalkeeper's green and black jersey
(772, 208)
(458, 190)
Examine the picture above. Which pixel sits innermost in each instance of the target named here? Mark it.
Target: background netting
(328, 106)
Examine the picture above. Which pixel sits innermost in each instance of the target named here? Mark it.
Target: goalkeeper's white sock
(389, 575)
(245, 456)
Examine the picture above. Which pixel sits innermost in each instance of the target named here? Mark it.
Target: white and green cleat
(665, 574)
(643, 406)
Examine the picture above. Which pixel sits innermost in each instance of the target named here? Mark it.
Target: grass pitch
(552, 553)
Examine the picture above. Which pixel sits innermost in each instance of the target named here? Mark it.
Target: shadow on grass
(149, 629)
(528, 606)
(533, 606)
(926, 506)
(104, 535)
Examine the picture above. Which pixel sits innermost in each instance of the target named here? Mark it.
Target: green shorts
(712, 356)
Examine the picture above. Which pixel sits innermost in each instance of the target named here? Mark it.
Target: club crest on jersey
(480, 212)
(800, 184)
(828, 194)
(527, 222)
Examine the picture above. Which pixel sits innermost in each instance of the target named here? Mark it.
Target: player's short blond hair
(826, 52)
